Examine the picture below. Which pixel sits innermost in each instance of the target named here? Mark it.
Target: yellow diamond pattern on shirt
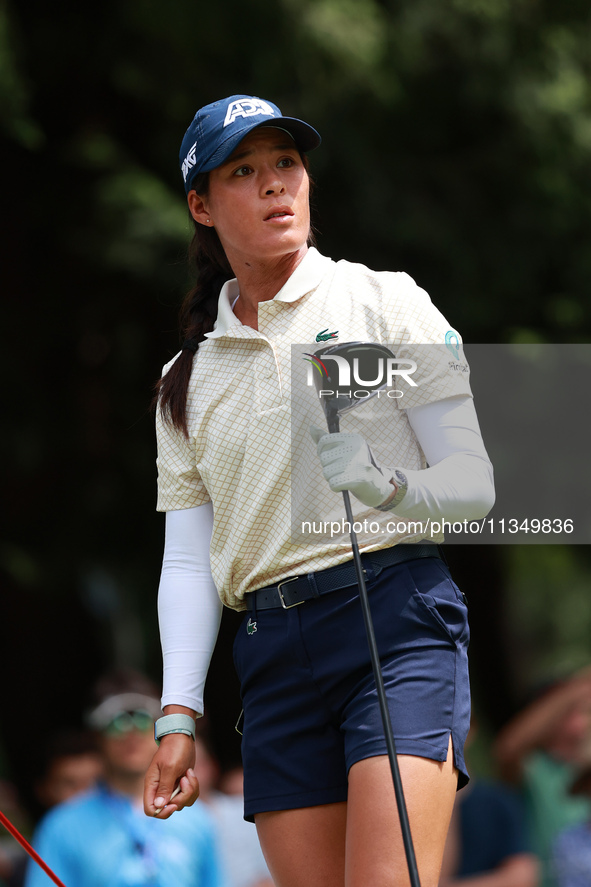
(249, 449)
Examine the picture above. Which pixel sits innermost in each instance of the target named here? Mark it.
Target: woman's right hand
(171, 765)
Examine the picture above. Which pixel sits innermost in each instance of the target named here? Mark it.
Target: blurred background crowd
(526, 822)
(456, 147)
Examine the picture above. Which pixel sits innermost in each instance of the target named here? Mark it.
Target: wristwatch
(401, 482)
(176, 723)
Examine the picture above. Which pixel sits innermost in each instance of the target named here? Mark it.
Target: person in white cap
(101, 838)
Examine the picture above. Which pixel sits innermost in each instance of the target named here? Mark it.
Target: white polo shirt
(249, 407)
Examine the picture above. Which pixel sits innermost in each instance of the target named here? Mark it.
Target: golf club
(352, 361)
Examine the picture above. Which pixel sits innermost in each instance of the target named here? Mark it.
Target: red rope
(32, 853)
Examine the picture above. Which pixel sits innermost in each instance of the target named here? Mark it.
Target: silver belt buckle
(282, 599)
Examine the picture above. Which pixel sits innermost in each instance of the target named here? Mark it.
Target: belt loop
(311, 577)
(254, 605)
(368, 568)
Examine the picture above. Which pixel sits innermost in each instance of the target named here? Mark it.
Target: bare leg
(375, 851)
(306, 847)
(360, 843)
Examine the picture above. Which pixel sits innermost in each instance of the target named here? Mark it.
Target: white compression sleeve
(458, 485)
(189, 607)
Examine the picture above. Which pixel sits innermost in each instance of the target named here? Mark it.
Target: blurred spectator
(71, 764)
(540, 750)
(102, 838)
(572, 848)
(241, 852)
(487, 845)
(231, 781)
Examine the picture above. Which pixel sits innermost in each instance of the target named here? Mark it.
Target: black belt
(297, 589)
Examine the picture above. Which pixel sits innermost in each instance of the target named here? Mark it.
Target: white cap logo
(247, 108)
(189, 162)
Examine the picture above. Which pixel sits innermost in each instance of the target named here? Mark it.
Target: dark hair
(198, 312)
(66, 743)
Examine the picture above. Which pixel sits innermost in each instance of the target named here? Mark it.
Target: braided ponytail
(197, 316)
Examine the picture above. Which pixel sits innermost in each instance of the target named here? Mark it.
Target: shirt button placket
(267, 382)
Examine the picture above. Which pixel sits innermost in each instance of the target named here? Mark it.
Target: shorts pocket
(439, 596)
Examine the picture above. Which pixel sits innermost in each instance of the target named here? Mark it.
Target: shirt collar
(304, 279)
(226, 317)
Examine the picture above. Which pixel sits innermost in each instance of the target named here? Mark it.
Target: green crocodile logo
(251, 627)
(324, 336)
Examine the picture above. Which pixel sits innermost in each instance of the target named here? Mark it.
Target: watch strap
(401, 482)
(175, 723)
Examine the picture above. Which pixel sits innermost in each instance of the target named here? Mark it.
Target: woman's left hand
(348, 464)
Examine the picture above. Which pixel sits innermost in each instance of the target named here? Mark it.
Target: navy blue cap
(216, 129)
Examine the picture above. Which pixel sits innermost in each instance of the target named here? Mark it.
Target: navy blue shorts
(310, 704)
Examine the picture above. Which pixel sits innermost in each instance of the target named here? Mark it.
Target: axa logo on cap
(188, 162)
(247, 108)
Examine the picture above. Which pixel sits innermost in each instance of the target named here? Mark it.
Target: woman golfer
(317, 777)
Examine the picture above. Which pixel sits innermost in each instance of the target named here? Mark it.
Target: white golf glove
(348, 464)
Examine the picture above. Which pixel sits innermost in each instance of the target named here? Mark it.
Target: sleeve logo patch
(453, 342)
